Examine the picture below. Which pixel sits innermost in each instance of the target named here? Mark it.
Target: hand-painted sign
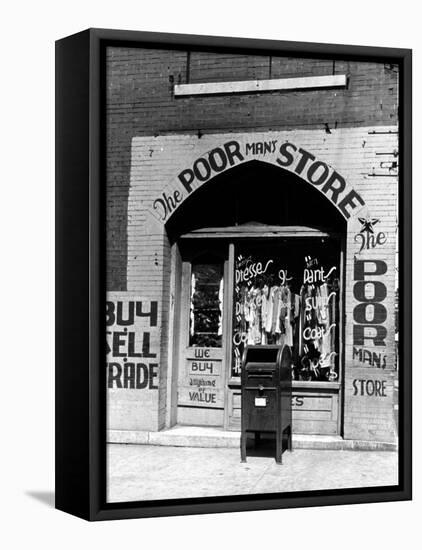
(367, 238)
(369, 314)
(371, 388)
(201, 382)
(131, 353)
(287, 155)
(370, 358)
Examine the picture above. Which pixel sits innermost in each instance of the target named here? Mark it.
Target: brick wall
(140, 102)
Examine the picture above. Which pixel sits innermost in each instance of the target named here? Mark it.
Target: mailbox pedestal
(266, 395)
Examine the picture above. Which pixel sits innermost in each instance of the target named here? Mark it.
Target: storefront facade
(281, 230)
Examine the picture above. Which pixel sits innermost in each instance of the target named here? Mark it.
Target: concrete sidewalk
(206, 436)
(151, 472)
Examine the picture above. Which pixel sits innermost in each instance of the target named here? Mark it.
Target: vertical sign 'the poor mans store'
(132, 355)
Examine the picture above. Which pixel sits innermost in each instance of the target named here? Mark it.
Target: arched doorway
(258, 258)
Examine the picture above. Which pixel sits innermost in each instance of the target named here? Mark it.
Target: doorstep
(200, 436)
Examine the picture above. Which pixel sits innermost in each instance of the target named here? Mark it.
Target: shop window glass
(206, 305)
(289, 294)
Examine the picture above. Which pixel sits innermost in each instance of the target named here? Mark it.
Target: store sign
(364, 386)
(132, 344)
(376, 388)
(287, 155)
(370, 313)
(368, 237)
(201, 385)
(370, 358)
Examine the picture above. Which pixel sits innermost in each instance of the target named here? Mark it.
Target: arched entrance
(258, 258)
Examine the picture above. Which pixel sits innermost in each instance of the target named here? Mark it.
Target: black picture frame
(80, 281)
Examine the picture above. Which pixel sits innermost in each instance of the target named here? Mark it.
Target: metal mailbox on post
(266, 395)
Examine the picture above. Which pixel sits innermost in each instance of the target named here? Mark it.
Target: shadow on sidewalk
(263, 446)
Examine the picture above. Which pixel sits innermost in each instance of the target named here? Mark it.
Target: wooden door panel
(313, 412)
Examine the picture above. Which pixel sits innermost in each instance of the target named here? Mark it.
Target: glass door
(201, 375)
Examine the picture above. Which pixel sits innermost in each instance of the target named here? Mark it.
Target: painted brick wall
(355, 154)
(133, 370)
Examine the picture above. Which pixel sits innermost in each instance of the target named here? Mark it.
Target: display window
(206, 305)
(288, 293)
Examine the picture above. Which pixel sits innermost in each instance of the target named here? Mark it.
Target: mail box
(266, 396)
